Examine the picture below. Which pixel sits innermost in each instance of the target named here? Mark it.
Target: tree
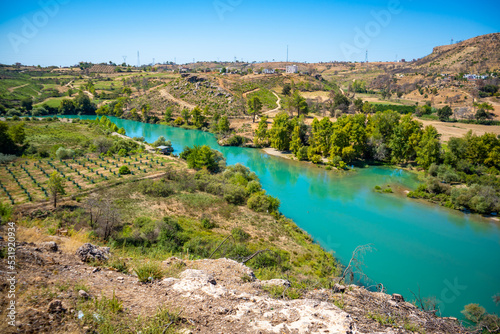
(254, 107)
(298, 103)
(200, 157)
(198, 118)
(27, 104)
(83, 104)
(56, 187)
(7, 145)
(223, 124)
(287, 90)
(127, 91)
(481, 114)
(169, 113)
(358, 104)
(429, 149)
(67, 107)
(280, 132)
(185, 114)
(260, 138)
(444, 113)
(340, 101)
(161, 141)
(296, 143)
(16, 132)
(405, 139)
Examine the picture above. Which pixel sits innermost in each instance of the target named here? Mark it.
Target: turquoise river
(446, 254)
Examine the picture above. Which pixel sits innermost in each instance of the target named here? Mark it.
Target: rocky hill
(475, 55)
(64, 292)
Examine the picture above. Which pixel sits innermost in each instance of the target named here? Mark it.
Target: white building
(292, 69)
(268, 71)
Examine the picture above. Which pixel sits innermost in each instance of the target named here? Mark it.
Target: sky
(65, 32)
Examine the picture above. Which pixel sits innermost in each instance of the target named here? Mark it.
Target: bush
(148, 272)
(260, 202)
(239, 234)
(6, 158)
(207, 224)
(234, 194)
(235, 141)
(156, 189)
(5, 213)
(63, 153)
(254, 187)
(200, 157)
(124, 170)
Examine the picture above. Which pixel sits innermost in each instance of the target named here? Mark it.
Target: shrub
(179, 121)
(260, 202)
(124, 170)
(156, 189)
(63, 153)
(234, 194)
(6, 158)
(239, 234)
(207, 224)
(148, 272)
(200, 157)
(5, 213)
(253, 187)
(235, 141)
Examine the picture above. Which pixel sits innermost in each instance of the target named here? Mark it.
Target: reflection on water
(418, 246)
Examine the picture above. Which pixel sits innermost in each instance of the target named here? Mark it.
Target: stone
(276, 282)
(50, 246)
(398, 298)
(56, 306)
(89, 252)
(339, 288)
(198, 275)
(83, 294)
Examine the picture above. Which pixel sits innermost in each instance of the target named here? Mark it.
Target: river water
(442, 253)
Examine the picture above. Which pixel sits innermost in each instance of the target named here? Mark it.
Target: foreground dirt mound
(210, 296)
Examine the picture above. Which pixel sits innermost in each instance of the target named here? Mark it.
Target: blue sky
(64, 32)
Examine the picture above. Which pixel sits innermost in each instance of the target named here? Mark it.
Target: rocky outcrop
(89, 252)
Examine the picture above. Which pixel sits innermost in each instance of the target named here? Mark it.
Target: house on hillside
(165, 149)
(292, 69)
(268, 71)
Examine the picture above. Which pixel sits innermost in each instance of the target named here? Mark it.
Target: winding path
(275, 110)
(11, 89)
(165, 93)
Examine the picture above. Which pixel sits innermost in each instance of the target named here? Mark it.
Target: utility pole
(125, 60)
(138, 60)
(366, 56)
(287, 53)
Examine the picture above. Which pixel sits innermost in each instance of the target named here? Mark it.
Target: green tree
(186, 115)
(17, 133)
(198, 118)
(223, 125)
(444, 113)
(7, 145)
(298, 103)
(429, 148)
(296, 143)
(287, 90)
(56, 187)
(169, 113)
(481, 114)
(67, 107)
(279, 135)
(405, 139)
(261, 138)
(27, 104)
(200, 157)
(254, 107)
(83, 104)
(127, 91)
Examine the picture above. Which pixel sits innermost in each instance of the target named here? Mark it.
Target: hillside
(476, 55)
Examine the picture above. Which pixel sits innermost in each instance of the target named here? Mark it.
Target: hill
(476, 55)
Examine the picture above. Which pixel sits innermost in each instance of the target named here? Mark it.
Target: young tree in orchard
(56, 187)
(254, 107)
(279, 135)
(429, 149)
(261, 138)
